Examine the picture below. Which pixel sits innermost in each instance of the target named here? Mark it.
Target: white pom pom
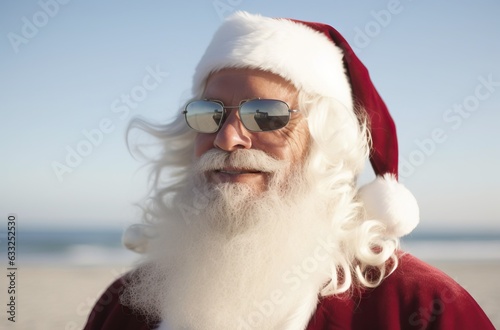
(136, 237)
(387, 200)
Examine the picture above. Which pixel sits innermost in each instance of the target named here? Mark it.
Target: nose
(233, 135)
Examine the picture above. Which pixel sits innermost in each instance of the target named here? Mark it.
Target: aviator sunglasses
(257, 115)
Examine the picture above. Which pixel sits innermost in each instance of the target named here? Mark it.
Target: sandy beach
(57, 297)
(61, 297)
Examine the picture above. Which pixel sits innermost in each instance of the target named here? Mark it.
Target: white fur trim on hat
(387, 200)
(294, 51)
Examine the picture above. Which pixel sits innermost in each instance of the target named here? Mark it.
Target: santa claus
(255, 220)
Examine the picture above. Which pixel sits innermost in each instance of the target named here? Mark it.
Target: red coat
(415, 296)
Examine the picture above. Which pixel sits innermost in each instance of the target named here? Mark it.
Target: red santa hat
(317, 59)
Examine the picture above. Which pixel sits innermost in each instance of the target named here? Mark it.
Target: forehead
(234, 85)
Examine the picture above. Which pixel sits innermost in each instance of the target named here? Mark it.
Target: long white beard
(227, 259)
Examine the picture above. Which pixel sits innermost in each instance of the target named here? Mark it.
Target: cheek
(203, 143)
(290, 148)
(302, 145)
(291, 145)
(295, 151)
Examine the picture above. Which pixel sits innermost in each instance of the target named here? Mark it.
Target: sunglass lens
(204, 116)
(264, 115)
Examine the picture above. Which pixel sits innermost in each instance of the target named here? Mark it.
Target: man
(255, 221)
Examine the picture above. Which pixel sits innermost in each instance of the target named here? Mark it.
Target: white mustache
(247, 159)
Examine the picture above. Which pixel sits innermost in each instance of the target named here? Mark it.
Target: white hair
(341, 143)
(339, 148)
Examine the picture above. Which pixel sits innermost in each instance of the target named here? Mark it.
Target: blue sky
(67, 66)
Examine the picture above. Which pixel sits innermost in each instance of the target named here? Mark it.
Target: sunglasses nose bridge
(232, 134)
(231, 117)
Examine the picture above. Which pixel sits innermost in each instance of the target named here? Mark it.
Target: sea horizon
(36, 246)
